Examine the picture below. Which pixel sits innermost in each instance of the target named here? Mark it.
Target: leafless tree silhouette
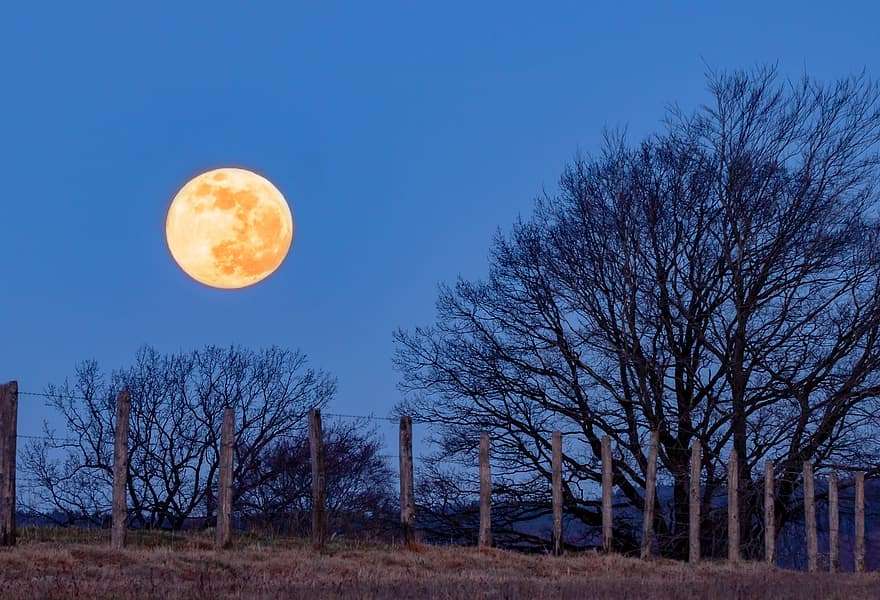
(717, 281)
(177, 403)
(276, 494)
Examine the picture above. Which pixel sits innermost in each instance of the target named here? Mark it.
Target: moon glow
(229, 228)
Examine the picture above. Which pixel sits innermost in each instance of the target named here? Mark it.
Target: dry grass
(161, 566)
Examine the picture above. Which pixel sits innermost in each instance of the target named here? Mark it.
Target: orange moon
(229, 228)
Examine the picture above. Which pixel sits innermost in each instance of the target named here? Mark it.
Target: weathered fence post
(407, 503)
(694, 509)
(316, 451)
(859, 549)
(556, 465)
(607, 485)
(769, 514)
(224, 494)
(833, 524)
(733, 507)
(810, 518)
(485, 538)
(120, 471)
(8, 435)
(650, 492)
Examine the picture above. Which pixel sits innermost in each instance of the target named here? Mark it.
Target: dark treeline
(177, 403)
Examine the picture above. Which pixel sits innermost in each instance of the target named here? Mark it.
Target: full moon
(229, 228)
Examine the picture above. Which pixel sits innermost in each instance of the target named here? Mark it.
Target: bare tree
(359, 484)
(718, 282)
(177, 403)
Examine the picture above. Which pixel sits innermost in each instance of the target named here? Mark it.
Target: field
(45, 565)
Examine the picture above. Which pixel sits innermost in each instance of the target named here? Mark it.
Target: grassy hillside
(80, 565)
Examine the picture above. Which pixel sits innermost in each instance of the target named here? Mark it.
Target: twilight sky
(402, 136)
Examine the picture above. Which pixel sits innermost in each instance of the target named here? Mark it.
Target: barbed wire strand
(370, 416)
(334, 415)
(46, 438)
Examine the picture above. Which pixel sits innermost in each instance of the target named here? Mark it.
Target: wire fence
(851, 503)
(370, 416)
(55, 439)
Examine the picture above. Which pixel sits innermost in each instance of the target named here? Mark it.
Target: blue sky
(403, 135)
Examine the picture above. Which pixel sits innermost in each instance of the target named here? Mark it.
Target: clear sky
(403, 135)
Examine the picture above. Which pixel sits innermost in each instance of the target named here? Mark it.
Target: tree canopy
(717, 281)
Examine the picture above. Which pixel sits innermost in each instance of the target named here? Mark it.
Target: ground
(46, 565)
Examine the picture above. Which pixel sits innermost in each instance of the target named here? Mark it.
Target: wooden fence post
(407, 503)
(810, 518)
(224, 494)
(556, 465)
(485, 538)
(733, 507)
(607, 485)
(120, 471)
(650, 493)
(833, 524)
(8, 436)
(316, 451)
(694, 512)
(769, 514)
(860, 522)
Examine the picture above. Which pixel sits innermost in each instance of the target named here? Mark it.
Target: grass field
(81, 565)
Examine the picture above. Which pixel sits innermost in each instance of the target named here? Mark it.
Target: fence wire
(31, 486)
